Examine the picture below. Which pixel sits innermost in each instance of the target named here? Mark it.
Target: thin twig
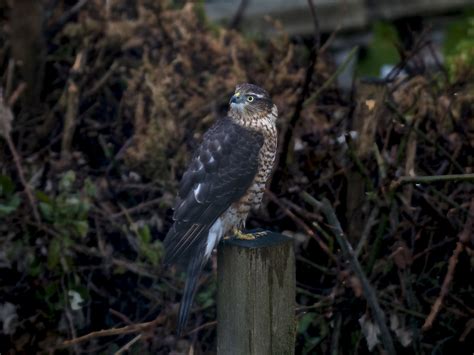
(432, 247)
(134, 328)
(202, 326)
(72, 94)
(453, 260)
(447, 199)
(336, 334)
(122, 317)
(239, 14)
(406, 57)
(6, 118)
(100, 82)
(380, 162)
(137, 208)
(127, 346)
(401, 117)
(55, 28)
(349, 253)
(69, 315)
(330, 39)
(16, 94)
(10, 75)
(301, 211)
(303, 225)
(366, 232)
(320, 268)
(313, 59)
(389, 303)
(466, 233)
(333, 77)
(128, 265)
(467, 330)
(316, 28)
(431, 179)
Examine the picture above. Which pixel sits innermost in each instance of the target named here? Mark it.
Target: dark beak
(236, 99)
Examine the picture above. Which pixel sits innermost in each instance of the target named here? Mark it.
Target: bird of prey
(224, 181)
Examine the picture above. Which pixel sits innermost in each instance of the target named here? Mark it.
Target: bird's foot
(247, 236)
(259, 234)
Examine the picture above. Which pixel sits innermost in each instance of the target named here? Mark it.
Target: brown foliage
(88, 177)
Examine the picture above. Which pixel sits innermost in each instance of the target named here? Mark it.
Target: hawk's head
(251, 101)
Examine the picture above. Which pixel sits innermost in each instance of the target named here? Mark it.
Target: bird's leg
(238, 234)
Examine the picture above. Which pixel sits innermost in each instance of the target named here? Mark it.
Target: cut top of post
(270, 239)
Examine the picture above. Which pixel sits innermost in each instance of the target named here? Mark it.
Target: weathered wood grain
(256, 296)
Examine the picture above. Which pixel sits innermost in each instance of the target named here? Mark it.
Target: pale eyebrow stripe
(254, 94)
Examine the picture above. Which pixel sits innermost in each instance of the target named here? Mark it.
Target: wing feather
(221, 171)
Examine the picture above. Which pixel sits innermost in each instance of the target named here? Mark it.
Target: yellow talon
(247, 236)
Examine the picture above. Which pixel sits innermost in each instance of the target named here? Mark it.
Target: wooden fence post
(256, 296)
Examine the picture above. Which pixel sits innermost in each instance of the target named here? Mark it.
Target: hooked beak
(236, 99)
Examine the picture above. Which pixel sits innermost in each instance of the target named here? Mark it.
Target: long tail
(194, 269)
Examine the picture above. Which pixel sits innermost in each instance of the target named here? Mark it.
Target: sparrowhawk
(224, 181)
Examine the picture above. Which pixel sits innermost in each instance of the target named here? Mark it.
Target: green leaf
(144, 234)
(153, 252)
(42, 197)
(54, 253)
(9, 206)
(46, 211)
(457, 31)
(6, 186)
(90, 188)
(206, 297)
(380, 51)
(151, 255)
(459, 49)
(305, 322)
(68, 179)
(81, 227)
(35, 269)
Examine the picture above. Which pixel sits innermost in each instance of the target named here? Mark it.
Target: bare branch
(401, 117)
(333, 77)
(238, 16)
(431, 179)
(134, 328)
(453, 260)
(300, 104)
(349, 254)
(6, 118)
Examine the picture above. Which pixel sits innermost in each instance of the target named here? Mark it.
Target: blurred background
(103, 101)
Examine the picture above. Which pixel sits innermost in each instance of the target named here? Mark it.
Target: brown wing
(221, 171)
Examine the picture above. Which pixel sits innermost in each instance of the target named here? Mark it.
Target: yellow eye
(250, 98)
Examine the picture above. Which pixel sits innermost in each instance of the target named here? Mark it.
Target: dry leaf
(404, 336)
(370, 104)
(8, 317)
(356, 285)
(402, 255)
(371, 331)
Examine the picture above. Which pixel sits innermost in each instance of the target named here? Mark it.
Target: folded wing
(221, 171)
